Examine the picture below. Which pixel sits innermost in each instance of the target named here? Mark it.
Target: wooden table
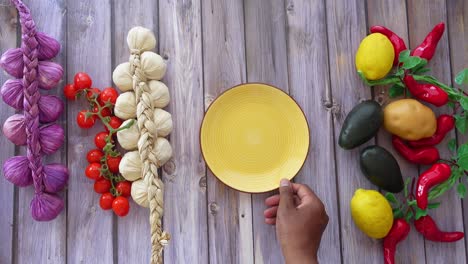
(305, 47)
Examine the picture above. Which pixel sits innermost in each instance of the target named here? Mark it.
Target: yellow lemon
(372, 213)
(374, 57)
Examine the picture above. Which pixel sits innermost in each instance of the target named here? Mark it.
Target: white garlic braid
(145, 68)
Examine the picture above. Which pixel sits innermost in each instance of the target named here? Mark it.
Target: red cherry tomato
(93, 171)
(94, 156)
(100, 139)
(113, 163)
(82, 81)
(104, 111)
(106, 201)
(102, 185)
(83, 121)
(120, 206)
(114, 122)
(93, 93)
(70, 92)
(108, 94)
(124, 188)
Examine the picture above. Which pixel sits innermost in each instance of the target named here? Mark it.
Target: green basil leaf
(400, 72)
(464, 103)
(452, 145)
(461, 122)
(407, 181)
(404, 55)
(463, 157)
(420, 213)
(461, 190)
(412, 62)
(451, 104)
(391, 198)
(409, 216)
(411, 202)
(396, 90)
(397, 213)
(433, 205)
(421, 70)
(462, 77)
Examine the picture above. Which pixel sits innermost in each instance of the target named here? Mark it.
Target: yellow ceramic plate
(252, 136)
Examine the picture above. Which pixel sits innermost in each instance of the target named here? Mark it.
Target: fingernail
(284, 183)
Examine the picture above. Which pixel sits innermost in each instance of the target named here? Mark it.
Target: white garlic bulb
(153, 65)
(139, 193)
(163, 121)
(122, 77)
(159, 93)
(130, 166)
(163, 150)
(128, 138)
(125, 106)
(141, 38)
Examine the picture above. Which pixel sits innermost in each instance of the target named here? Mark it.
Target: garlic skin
(130, 166)
(45, 206)
(125, 106)
(141, 38)
(12, 93)
(50, 108)
(49, 74)
(16, 170)
(159, 93)
(122, 77)
(128, 138)
(55, 177)
(12, 62)
(163, 150)
(48, 47)
(51, 138)
(139, 193)
(153, 65)
(163, 121)
(14, 129)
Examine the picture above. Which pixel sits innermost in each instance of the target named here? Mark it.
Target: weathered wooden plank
(266, 51)
(426, 14)
(134, 243)
(346, 27)
(230, 212)
(310, 86)
(457, 21)
(89, 29)
(48, 244)
(185, 175)
(393, 15)
(8, 39)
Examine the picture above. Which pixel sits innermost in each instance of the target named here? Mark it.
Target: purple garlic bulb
(15, 130)
(12, 93)
(45, 206)
(12, 62)
(16, 170)
(51, 138)
(48, 46)
(50, 108)
(50, 74)
(55, 177)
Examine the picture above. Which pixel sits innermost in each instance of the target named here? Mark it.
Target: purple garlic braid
(40, 140)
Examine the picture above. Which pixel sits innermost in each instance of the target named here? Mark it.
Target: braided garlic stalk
(144, 96)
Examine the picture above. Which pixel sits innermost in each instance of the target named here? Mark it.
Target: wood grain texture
(48, 244)
(310, 86)
(89, 29)
(185, 215)
(392, 14)
(425, 16)
(346, 27)
(133, 231)
(458, 39)
(8, 40)
(230, 212)
(265, 38)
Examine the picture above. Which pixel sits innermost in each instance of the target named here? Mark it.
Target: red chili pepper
(399, 231)
(445, 123)
(427, 48)
(428, 228)
(436, 174)
(397, 42)
(426, 92)
(423, 156)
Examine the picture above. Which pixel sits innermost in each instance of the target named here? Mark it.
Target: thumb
(286, 195)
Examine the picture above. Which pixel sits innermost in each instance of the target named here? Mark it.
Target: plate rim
(219, 96)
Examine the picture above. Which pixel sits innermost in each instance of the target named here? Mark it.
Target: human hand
(300, 219)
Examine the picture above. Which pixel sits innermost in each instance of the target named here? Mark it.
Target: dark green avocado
(361, 124)
(381, 168)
